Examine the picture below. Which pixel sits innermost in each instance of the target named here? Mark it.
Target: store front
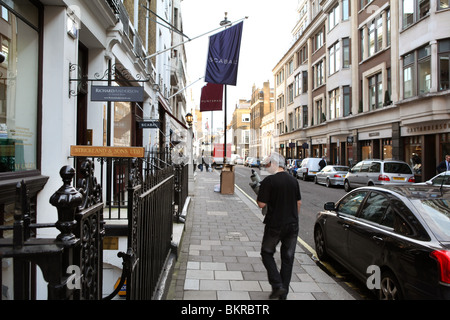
(320, 148)
(425, 147)
(376, 144)
(20, 113)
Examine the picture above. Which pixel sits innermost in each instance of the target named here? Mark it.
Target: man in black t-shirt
(280, 192)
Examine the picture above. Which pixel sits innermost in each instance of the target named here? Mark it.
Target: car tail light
(412, 179)
(443, 259)
(383, 177)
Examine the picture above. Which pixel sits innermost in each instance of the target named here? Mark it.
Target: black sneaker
(277, 293)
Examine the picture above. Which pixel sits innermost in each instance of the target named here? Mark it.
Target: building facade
(261, 104)
(363, 81)
(240, 129)
(55, 53)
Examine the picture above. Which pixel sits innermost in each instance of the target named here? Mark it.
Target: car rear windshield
(397, 167)
(438, 217)
(341, 168)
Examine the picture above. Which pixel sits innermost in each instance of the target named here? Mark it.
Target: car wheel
(389, 287)
(347, 186)
(315, 180)
(304, 177)
(319, 241)
(328, 183)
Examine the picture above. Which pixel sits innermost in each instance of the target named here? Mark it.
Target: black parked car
(401, 231)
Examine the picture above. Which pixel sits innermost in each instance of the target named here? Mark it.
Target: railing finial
(66, 200)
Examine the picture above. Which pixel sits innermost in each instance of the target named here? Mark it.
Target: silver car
(331, 175)
(442, 179)
(378, 172)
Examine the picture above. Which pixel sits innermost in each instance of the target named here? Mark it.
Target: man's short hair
(275, 158)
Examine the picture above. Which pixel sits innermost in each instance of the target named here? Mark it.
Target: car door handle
(377, 239)
(345, 226)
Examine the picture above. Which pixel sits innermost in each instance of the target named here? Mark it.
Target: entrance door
(82, 102)
(82, 97)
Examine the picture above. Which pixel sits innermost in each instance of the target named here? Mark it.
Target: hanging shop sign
(112, 152)
(123, 94)
(148, 124)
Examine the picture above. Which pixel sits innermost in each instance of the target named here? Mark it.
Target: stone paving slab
(218, 255)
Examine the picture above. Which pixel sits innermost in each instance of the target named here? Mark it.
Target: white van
(308, 168)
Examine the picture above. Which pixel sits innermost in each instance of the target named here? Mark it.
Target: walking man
(280, 192)
(444, 165)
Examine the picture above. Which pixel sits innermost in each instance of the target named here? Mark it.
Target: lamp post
(189, 119)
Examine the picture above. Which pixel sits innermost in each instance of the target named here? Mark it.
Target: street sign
(111, 152)
(148, 124)
(124, 94)
(123, 289)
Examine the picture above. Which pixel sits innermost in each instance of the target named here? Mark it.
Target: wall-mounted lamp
(189, 119)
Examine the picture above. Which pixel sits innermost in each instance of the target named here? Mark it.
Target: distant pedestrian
(322, 163)
(444, 165)
(280, 192)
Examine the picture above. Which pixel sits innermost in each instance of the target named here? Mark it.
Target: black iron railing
(147, 190)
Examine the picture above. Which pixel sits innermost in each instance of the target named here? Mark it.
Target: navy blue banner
(223, 56)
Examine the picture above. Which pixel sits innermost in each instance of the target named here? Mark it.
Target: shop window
(19, 90)
(387, 148)
(413, 152)
(366, 150)
(122, 124)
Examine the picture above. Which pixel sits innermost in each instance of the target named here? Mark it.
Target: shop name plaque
(111, 152)
(124, 94)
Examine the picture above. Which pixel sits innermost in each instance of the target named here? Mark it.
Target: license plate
(398, 178)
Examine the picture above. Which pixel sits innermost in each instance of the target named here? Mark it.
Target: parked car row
(390, 232)
(368, 172)
(394, 238)
(252, 162)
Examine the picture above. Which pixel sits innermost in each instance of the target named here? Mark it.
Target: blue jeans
(288, 237)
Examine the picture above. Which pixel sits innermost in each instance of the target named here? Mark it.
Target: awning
(165, 105)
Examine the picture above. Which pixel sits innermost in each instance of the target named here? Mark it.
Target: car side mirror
(330, 206)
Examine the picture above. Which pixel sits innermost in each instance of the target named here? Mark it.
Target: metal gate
(72, 263)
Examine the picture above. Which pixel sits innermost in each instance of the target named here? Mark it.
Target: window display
(18, 89)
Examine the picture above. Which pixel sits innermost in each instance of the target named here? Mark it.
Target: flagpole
(181, 90)
(225, 128)
(182, 43)
(225, 23)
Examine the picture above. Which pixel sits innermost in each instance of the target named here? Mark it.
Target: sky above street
(266, 38)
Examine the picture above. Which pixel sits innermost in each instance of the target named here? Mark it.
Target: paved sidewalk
(219, 253)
